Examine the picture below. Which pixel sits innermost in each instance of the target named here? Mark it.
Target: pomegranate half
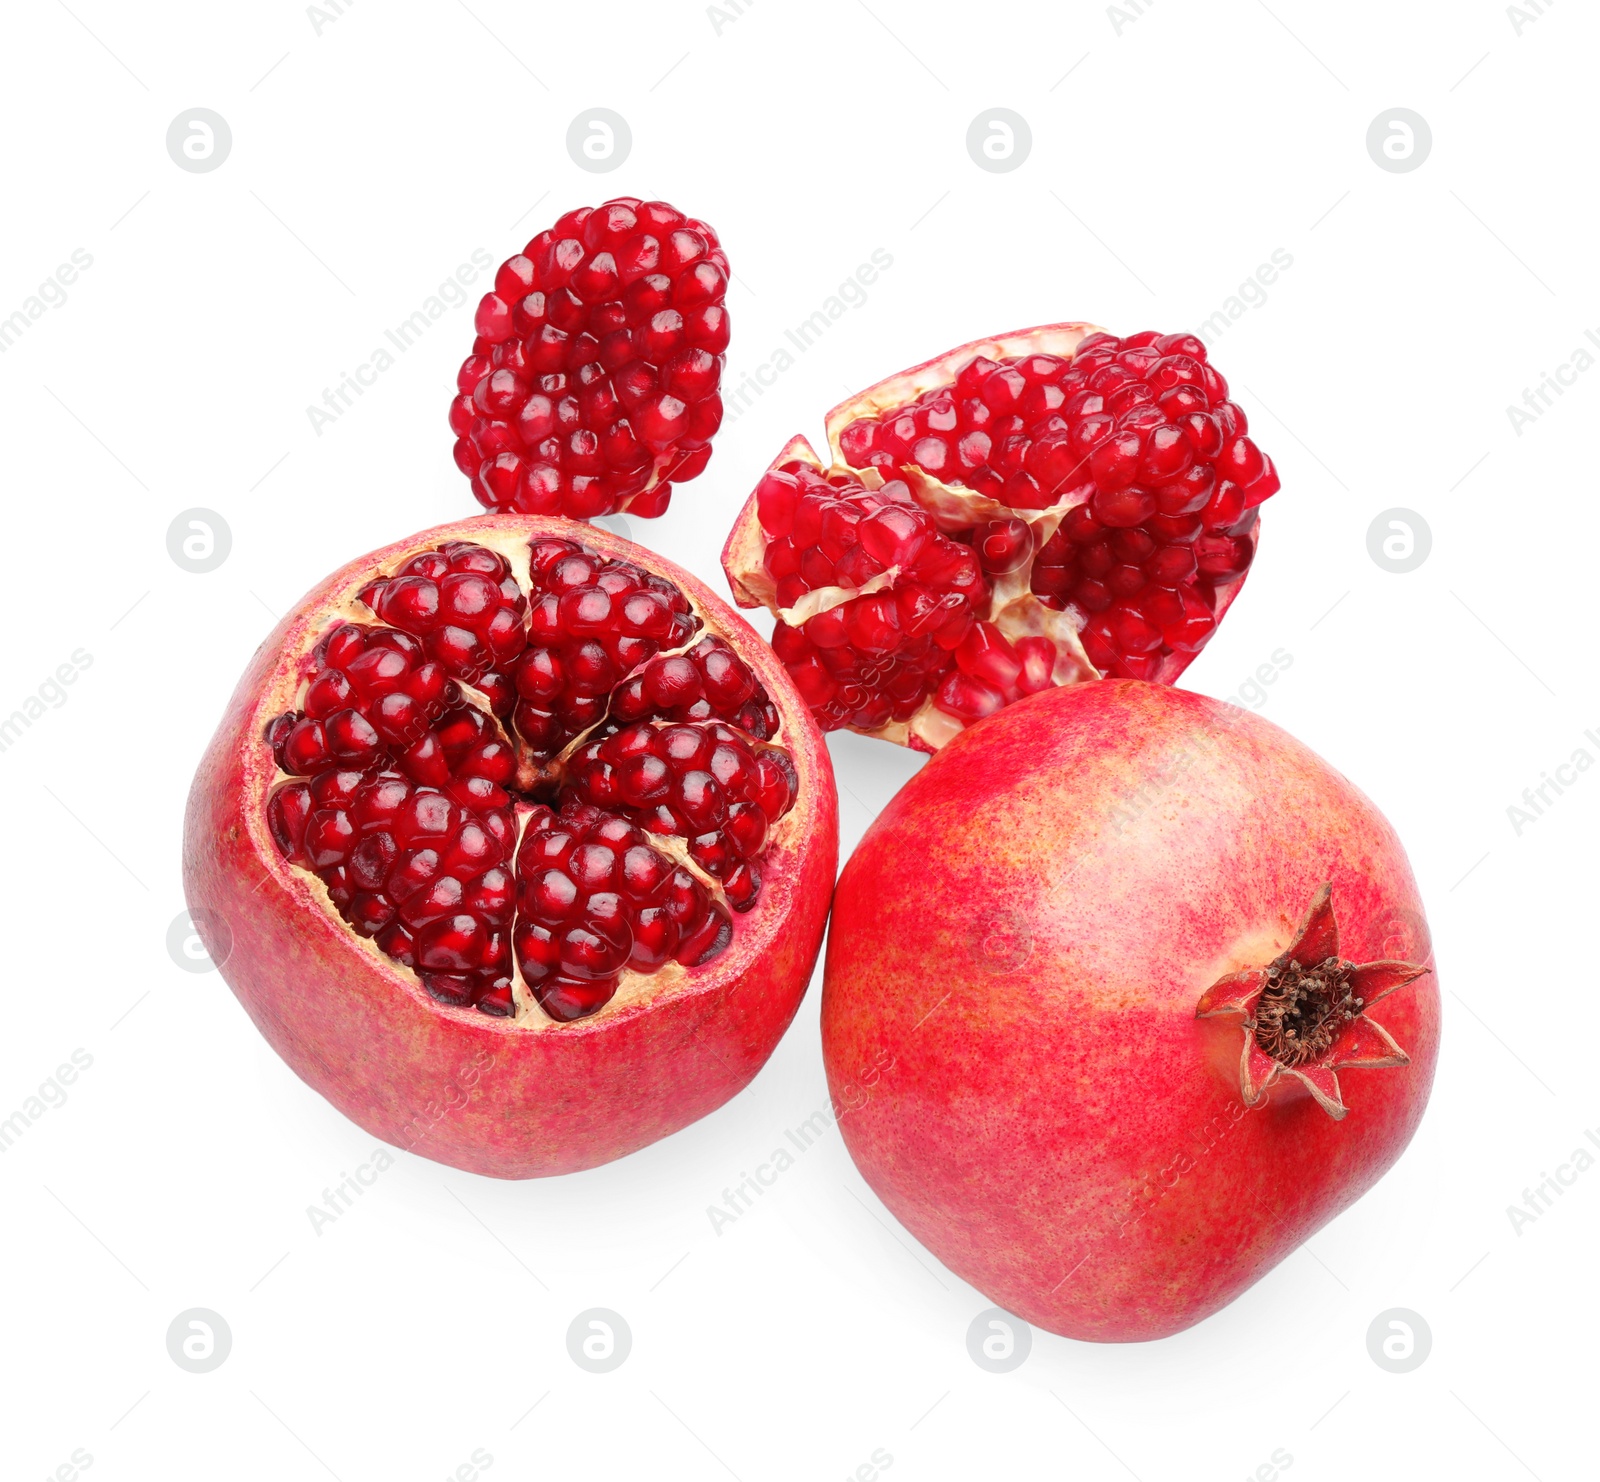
(517, 844)
(1096, 999)
(1040, 508)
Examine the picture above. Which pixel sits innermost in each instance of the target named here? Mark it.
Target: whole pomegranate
(592, 383)
(517, 845)
(1034, 510)
(1128, 993)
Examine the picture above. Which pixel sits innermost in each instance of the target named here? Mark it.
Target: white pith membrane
(287, 693)
(1013, 607)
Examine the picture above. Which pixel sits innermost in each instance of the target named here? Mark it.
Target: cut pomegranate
(1035, 510)
(592, 383)
(558, 781)
(411, 829)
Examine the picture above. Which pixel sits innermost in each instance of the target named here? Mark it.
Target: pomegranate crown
(1305, 1014)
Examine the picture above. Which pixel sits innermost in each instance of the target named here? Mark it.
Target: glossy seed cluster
(464, 604)
(414, 853)
(594, 896)
(591, 623)
(703, 781)
(1140, 436)
(709, 682)
(402, 794)
(593, 382)
(372, 693)
(873, 658)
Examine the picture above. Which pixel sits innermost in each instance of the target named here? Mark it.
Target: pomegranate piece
(1100, 496)
(592, 383)
(404, 850)
(1180, 1021)
(875, 657)
(423, 870)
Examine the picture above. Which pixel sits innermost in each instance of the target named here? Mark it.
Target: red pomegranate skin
(480, 1093)
(1021, 938)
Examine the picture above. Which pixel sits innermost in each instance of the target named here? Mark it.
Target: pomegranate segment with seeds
(593, 621)
(701, 782)
(594, 897)
(517, 773)
(592, 386)
(1046, 507)
(467, 608)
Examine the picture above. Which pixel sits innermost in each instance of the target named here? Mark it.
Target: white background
(1172, 153)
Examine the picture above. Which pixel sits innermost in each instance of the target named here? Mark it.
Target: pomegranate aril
(1133, 633)
(1038, 657)
(968, 698)
(286, 818)
(985, 655)
(1124, 507)
(1188, 629)
(1241, 461)
(1003, 545)
(776, 497)
(1225, 507)
(1171, 566)
(1222, 557)
(1264, 486)
(894, 534)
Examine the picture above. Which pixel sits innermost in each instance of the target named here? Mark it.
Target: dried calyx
(1305, 1014)
(1302, 1010)
(537, 774)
